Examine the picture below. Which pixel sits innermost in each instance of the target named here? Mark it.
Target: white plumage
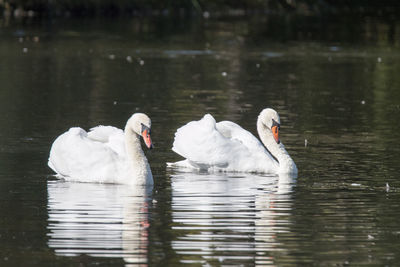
(210, 145)
(225, 146)
(105, 154)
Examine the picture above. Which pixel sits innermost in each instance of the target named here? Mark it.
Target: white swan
(105, 154)
(225, 146)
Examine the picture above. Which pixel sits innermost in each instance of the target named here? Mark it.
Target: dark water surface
(335, 83)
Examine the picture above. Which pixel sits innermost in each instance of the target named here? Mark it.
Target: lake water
(334, 82)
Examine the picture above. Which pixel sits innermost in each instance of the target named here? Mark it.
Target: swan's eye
(275, 124)
(145, 128)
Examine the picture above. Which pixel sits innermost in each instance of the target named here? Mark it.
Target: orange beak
(275, 133)
(147, 138)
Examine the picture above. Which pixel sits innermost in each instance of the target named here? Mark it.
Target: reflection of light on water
(229, 219)
(98, 220)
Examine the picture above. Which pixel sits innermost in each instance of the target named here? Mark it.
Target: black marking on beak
(144, 127)
(275, 123)
(275, 130)
(146, 133)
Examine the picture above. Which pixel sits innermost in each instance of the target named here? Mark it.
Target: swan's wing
(260, 160)
(74, 154)
(233, 131)
(110, 136)
(222, 146)
(204, 146)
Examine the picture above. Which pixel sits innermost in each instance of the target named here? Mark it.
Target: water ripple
(98, 220)
(229, 219)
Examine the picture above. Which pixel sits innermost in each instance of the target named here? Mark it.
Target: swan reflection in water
(99, 220)
(231, 219)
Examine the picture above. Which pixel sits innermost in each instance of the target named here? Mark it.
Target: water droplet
(334, 48)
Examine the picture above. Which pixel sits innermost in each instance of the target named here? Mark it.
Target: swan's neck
(286, 164)
(140, 167)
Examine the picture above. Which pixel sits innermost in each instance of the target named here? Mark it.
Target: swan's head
(271, 120)
(140, 123)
